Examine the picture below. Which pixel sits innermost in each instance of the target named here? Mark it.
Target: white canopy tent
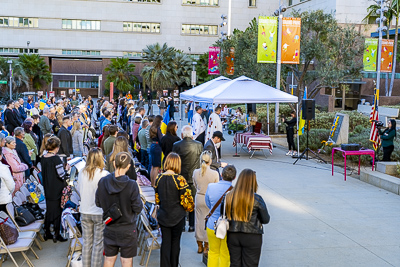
(204, 87)
(241, 90)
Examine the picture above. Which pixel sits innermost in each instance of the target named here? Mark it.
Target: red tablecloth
(253, 142)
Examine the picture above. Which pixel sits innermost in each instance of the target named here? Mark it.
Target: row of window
(373, 75)
(144, 1)
(19, 22)
(201, 2)
(196, 29)
(78, 24)
(81, 52)
(18, 50)
(133, 54)
(141, 27)
(71, 84)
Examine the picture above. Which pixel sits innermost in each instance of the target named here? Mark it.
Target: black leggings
(290, 140)
(171, 244)
(387, 151)
(244, 249)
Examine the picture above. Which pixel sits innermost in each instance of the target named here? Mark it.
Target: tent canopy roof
(204, 87)
(243, 90)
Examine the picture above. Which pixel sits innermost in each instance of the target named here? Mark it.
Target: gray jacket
(77, 141)
(44, 125)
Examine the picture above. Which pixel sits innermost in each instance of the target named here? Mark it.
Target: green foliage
(324, 120)
(19, 77)
(202, 69)
(120, 72)
(336, 52)
(316, 136)
(167, 67)
(35, 69)
(245, 44)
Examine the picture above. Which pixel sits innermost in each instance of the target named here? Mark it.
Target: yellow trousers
(218, 253)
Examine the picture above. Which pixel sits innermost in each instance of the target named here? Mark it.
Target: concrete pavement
(316, 219)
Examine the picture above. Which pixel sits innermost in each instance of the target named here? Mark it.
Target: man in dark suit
(22, 150)
(189, 150)
(9, 117)
(212, 146)
(17, 114)
(21, 109)
(150, 99)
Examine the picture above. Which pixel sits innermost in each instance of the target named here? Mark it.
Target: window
(19, 22)
(77, 24)
(19, 50)
(148, 27)
(196, 29)
(200, 2)
(144, 1)
(81, 52)
(79, 84)
(252, 3)
(138, 55)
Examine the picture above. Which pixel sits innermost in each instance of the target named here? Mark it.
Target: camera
(379, 124)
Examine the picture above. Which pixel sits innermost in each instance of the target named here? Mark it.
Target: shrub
(316, 136)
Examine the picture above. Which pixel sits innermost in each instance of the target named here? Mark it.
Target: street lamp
(10, 62)
(381, 28)
(27, 44)
(224, 23)
(278, 13)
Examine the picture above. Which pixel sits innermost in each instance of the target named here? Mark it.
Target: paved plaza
(316, 219)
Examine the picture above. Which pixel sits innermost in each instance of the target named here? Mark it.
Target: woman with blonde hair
(77, 139)
(91, 215)
(202, 178)
(246, 212)
(120, 145)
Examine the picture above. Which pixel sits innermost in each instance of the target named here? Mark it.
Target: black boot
(59, 238)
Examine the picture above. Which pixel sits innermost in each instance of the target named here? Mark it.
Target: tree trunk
(396, 36)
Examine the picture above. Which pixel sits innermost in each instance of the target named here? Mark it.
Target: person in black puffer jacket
(246, 212)
(120, 234)
(290, 133)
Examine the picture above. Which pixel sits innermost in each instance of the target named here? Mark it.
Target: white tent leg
(298, 143)
(180, 108)
(268, 119)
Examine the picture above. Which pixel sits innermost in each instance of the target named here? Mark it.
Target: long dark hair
(393, 126)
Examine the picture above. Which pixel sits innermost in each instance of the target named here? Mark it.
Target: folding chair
(39, 166)
(75, 198)
(76, 243)
(33, 178)
(35, 226)
(26, 194)
(17, 200)
(22, 245)
(151, 243)
(21, 197)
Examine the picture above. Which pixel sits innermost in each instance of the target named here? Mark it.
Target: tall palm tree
(182, 69)
(159, 72)
(35, 69)
(121, 73)
(19, 78)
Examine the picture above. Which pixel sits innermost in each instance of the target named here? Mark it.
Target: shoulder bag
(23, 216)
(215, 207)
(221, 226)
(113, 213)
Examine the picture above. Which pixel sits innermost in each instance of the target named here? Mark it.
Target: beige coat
(201, 209)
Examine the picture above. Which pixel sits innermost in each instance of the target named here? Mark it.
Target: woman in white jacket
(7, 185)
(91, 215)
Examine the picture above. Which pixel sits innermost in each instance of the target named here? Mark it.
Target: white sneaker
(294, 153)
(289, 153)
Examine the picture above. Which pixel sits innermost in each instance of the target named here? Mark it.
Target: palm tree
(159, 72)
(121, 73)
(182, 69)
(19, 77)
(35, 70)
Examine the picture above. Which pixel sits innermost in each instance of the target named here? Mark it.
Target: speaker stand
(305, 152)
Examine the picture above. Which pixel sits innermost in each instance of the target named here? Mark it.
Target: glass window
(252, 2)
(195, 29)
(200, 2)
(77, 24)
(141, 27)
(35, 23)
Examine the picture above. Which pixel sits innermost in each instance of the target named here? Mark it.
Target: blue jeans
(144, 158)
(149, 163)
(190, 116)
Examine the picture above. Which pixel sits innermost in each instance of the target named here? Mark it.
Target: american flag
(374, 134)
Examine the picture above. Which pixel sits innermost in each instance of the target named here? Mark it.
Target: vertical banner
(230, 68)
(267, 39)
(111, 90)
(214, 54)
(387, 55)
(290, 49)
(370, 54)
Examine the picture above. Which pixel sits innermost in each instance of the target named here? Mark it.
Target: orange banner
(230, 69)
(291, 28)
(387, 55)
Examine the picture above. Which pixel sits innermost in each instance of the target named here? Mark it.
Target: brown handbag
(8, 231)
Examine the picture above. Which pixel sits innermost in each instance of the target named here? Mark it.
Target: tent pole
(268, 118)
(180, 107)
(298, 139)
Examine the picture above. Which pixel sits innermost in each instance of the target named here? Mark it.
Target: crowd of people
(189, 179)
